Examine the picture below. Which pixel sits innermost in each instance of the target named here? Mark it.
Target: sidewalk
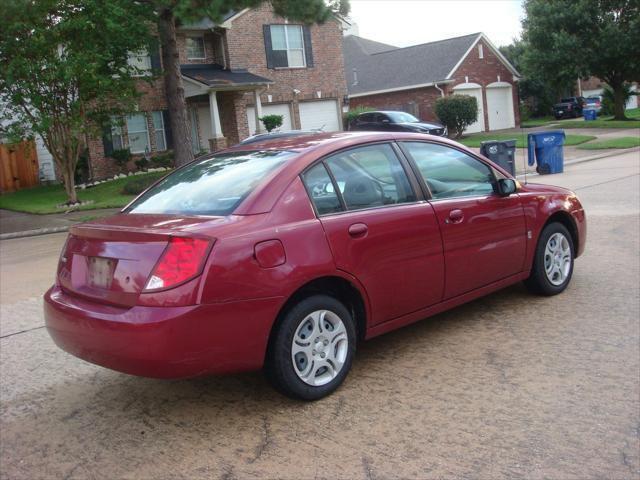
(18, 224)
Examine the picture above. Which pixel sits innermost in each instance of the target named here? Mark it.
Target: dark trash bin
(502, 153)
(545, 149)
(589, 114)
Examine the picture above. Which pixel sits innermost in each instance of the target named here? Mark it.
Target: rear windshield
(214, 186)
(568, 100)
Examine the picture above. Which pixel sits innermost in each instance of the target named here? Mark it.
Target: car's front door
(484, 234)
(378, 230)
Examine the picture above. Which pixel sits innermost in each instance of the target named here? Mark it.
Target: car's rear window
(213, 186)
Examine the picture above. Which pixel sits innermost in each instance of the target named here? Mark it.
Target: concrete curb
(32, 233)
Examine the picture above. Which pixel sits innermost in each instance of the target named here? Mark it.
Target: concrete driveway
(511, 385)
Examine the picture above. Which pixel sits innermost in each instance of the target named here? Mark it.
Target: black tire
(538, 282)
(279, 367)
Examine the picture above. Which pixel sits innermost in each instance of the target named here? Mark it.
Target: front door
(484, 234)
(377, 229)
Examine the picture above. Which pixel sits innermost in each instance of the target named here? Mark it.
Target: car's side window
(370, 176)
(320, 187)
(449, 172)
(366, 117)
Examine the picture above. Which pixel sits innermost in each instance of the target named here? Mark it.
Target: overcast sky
(409, 22)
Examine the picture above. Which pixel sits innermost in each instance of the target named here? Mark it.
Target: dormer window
(195, 48)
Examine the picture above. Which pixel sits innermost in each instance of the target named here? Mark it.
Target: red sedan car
(286, 254)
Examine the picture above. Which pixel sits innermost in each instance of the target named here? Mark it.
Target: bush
(141, 163)
(351, 115)
(136, 186)
(162, 160)
(121, 157)
(272, 122)
(457, 112)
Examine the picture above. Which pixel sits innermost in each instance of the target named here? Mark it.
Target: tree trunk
(619, 102)
(174, 89)
(68, 177)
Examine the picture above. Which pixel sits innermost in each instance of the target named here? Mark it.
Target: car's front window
(213, 186)
(449, 172)
(402, 117)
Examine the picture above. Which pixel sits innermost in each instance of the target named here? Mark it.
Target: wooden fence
(18, 166)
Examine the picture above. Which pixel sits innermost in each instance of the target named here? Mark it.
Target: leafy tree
(457, 112)
(569, 39)
(537, 92)
(609, 97)
(172, 13)
(64, 71)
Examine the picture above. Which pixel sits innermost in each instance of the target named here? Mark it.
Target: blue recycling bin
(589, 114)
(545, 148)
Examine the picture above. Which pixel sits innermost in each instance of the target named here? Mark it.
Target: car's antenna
(524, 153)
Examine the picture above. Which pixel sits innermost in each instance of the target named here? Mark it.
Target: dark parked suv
(570, 107)
(392, 121)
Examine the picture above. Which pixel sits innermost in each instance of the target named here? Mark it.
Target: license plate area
(100, 272)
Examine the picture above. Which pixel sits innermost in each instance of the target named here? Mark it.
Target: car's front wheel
(312, 348)
(553, 262)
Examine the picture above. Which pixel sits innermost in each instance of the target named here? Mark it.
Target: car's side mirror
(507, 186)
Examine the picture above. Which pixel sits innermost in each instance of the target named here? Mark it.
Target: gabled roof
(381, 68)
(213, 75)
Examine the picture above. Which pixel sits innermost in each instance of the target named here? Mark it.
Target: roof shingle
(381, 67)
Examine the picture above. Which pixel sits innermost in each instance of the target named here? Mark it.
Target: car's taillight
(182, 260)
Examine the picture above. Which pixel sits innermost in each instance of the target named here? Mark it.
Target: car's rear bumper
(162, 342)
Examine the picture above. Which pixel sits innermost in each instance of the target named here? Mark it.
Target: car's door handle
(358, 230)
(455, 216)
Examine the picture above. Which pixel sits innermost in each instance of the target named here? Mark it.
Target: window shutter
(266, 30)
(154, 53)
(107, 140)
(308, 50)
(168, 134)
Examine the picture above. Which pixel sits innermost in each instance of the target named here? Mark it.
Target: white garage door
(473, 90)
(500, 106)
(280, 109)
(320, 115)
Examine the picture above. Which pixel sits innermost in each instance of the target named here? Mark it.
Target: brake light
(182, 260)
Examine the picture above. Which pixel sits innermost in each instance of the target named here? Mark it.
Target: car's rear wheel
(553, 262)
(312, 348)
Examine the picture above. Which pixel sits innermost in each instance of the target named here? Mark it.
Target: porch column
(259, 126)
(217, 140)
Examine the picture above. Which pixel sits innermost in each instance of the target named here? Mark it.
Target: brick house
(413, 78)
(593, 86)
(253, 64)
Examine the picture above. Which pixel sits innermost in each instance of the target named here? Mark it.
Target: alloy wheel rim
(557, 259)
(319, 348)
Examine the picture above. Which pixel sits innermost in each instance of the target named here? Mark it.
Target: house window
(138, 133)
(480, 51)
(158, 130)
(141, 61)
(287, 44)
(195, 48)
(117, 137)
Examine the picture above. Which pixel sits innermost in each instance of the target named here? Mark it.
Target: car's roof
(309, 148)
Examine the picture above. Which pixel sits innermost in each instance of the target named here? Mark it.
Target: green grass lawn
(621, 142)
(521, 139)
(601, 122)
(45, 199)
(538, 122)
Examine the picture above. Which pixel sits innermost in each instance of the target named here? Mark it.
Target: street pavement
(511, 385)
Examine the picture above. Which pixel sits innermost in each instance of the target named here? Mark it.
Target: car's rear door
(484, 234)
(379, 229)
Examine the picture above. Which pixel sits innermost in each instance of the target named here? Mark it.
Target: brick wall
(245, 47)
(424, 98)
(485, 71)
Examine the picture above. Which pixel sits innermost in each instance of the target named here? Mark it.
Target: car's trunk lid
(111, 259)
